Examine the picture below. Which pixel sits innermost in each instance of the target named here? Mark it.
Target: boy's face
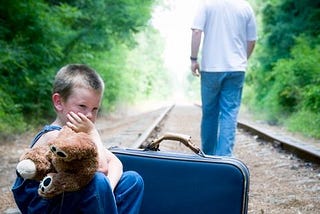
(84, 100)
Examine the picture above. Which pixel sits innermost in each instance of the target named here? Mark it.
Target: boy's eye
(82, 106)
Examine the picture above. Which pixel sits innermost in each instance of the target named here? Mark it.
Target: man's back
(227, 26)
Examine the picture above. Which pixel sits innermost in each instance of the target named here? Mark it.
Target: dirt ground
(280, 183)
(10, 151)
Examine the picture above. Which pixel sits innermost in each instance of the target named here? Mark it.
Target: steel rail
(304, 151)
(146, 134)
(301, 150)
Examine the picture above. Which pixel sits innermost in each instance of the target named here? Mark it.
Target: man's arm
(195, 45)
(195, 42)
(250, 47)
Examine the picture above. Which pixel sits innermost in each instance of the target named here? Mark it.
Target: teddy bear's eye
(58, 152)
(46, 182)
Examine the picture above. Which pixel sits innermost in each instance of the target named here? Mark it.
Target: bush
(293, 88)
(305, 122)
(37, 37)
(10, 116)
(297, 79)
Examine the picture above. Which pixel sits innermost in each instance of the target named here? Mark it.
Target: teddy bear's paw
(45, 184)
(26, 169)
(58, 152)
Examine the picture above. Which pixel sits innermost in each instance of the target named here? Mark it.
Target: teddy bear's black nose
(53, 149)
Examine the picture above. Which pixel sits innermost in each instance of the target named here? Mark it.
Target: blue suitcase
(186, 183)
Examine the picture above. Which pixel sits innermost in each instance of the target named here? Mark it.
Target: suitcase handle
(184, 139)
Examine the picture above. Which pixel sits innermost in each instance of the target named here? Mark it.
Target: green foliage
(305, 122)
(37, 37)
(11, 119)
(284, 79)
(134, 74)
(297, 79)
(283, 21)
(26, 50)
(145, 62)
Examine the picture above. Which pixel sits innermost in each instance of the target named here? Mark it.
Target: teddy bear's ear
(66, 131)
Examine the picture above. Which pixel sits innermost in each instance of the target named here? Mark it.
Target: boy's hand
(79, 123)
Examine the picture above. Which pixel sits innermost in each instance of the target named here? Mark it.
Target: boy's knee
(130, 181)
(99, 183)
(134, 178)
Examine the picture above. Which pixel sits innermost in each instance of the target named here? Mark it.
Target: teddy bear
(66, 164)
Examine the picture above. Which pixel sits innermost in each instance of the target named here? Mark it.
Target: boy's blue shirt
(25, 192)
(45, 129)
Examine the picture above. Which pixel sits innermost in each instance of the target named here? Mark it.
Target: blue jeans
(221, 98)
(97, 197)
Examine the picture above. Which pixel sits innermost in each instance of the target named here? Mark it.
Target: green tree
(37, 37)
(285, 76)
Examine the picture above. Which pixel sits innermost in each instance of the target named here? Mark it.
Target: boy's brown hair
(76, 75)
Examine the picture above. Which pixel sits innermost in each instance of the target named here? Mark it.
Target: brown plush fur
(69, 162)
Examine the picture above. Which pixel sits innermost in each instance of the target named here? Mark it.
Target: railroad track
(280, 182)
(301, 150)
(304, 151)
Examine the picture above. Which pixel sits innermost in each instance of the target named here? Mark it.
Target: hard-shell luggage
(186, 183)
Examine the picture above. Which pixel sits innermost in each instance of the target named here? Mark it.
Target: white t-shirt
(227, 26)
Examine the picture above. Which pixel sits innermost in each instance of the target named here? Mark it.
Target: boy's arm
(115, 169)
(109, 164)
